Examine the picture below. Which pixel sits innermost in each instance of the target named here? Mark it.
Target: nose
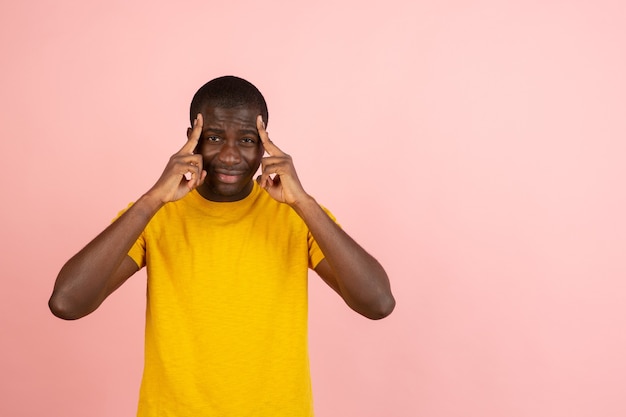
(229, 154)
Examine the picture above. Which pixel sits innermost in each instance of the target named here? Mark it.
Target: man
(227, 260)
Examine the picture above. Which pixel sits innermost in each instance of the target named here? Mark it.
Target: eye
(213, 139)
(248, 141)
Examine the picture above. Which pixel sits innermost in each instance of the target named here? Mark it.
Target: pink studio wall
(475, 147)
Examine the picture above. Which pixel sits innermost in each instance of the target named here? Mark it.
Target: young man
(227, 260)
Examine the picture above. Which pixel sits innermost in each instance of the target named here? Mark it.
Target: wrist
(149, 203)
(304, 205)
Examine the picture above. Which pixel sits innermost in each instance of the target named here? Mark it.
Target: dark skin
(231, 151)
(229, 145)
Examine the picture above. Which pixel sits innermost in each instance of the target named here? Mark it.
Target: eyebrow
(218, 130)
(253, 132)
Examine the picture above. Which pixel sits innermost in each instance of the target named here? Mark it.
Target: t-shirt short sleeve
(138, 251)
(315, 253)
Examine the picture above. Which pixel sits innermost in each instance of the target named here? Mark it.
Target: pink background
(476, 148)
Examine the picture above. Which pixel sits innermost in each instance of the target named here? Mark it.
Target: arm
(91, 275)
(354, 274)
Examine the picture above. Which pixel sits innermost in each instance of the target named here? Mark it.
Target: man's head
(228, 92)
(230, 144)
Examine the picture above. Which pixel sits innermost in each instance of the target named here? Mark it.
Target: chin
(228, 192)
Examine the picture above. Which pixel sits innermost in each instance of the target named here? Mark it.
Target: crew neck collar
(227, 205)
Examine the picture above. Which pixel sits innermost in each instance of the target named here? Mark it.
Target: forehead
(234, 116)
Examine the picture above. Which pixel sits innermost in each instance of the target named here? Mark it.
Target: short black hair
(227, 92)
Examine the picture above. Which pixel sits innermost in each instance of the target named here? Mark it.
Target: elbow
(62, 308)
(381, 309)
(385, 308)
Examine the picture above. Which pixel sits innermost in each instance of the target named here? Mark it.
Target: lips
(229, 177)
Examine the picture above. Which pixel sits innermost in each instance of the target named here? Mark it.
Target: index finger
(194, 136)
(265, 139)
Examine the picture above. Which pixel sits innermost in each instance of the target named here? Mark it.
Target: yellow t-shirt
(226, 320)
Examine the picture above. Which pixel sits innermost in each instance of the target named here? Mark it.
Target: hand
(284, 186)
(184, 170)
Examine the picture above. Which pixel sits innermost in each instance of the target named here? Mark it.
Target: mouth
(229, 177)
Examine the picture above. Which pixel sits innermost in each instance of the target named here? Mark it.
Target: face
(231, 152)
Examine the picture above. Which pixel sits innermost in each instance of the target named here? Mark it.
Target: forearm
(103, 265)
(92, 274)
(360, 279)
